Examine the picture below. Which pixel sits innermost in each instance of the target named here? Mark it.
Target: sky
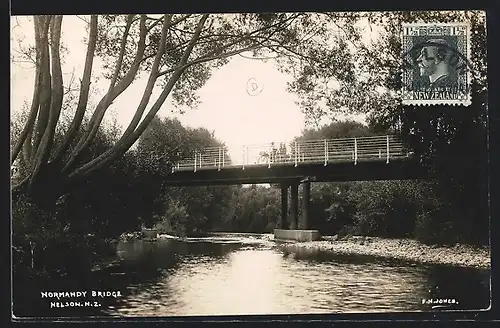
(226, 108)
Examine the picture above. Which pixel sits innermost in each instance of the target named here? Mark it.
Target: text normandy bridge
(303, 162)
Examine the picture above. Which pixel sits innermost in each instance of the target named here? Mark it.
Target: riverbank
(408, 250)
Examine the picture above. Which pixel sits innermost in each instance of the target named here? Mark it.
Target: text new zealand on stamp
(435, 64)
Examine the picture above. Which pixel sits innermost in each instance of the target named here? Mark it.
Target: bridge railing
(210, 157)
(294, 153)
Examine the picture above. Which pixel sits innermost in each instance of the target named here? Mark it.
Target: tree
(161, 145)
(333, 67)
(387, 208)
(179, 51)
(450, 141)
(335, 130)
(252, 209)
(80, 224)
(331, 209)
(181, 210)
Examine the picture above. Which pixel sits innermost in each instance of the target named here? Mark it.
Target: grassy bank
(408, 250)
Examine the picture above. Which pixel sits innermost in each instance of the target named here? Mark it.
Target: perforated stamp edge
(404, 92)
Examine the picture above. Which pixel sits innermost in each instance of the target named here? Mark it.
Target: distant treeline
(130, 194)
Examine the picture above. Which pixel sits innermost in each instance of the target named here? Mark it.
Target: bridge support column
(294, 206)
(284, 206)
(306, 198)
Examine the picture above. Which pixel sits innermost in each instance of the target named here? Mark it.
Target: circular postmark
(436, 68)
(254, 87)
(415, 57)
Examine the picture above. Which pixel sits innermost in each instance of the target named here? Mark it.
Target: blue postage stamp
(435, 64)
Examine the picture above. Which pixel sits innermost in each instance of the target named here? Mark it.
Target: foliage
(177, 53)
(163, 144)
(450, 141)
(335, 130)
(253, 208)
(386, 208)
(330, 209)
(74, 234)
(174, 220)
(426, 210)
(334, 70)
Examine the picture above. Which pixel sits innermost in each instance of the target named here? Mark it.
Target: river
(238, 274)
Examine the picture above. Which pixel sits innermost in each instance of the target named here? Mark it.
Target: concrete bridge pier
(296, 232)
(294, 206)
(306, 199)
(284, 206)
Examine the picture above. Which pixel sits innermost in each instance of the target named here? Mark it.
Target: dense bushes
(451, 208)
(130, 194)
(393, 209)
(330, 209)
(253, 208)
(386, 208)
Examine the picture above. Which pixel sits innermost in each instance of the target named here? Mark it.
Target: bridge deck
(397, 169)
(323, 151)
(350, 159)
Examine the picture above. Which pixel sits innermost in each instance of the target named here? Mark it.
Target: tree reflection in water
(221, 276)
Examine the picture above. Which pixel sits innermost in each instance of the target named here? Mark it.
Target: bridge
(299, 162)
(345, 159)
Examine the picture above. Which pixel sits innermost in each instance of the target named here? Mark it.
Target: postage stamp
(436, 64)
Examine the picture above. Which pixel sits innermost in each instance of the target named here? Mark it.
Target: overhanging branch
(113, 92)
(43, 23)
(146, 96)
(35, 104)
(57, 91)
(84, 91)
(126, 143)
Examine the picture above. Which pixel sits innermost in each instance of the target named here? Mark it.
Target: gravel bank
(397, 249)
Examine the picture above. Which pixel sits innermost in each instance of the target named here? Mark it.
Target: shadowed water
(223, 277)
(243, 274)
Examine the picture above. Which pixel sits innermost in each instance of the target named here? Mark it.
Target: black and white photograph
(211, 164)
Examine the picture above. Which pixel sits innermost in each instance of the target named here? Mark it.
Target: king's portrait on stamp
(231, 166)
(435, 64)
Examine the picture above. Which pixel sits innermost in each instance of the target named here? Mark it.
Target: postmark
(436, 64)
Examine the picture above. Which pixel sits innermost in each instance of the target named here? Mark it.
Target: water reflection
(238, 274)
(207, 278)
(469, 287)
